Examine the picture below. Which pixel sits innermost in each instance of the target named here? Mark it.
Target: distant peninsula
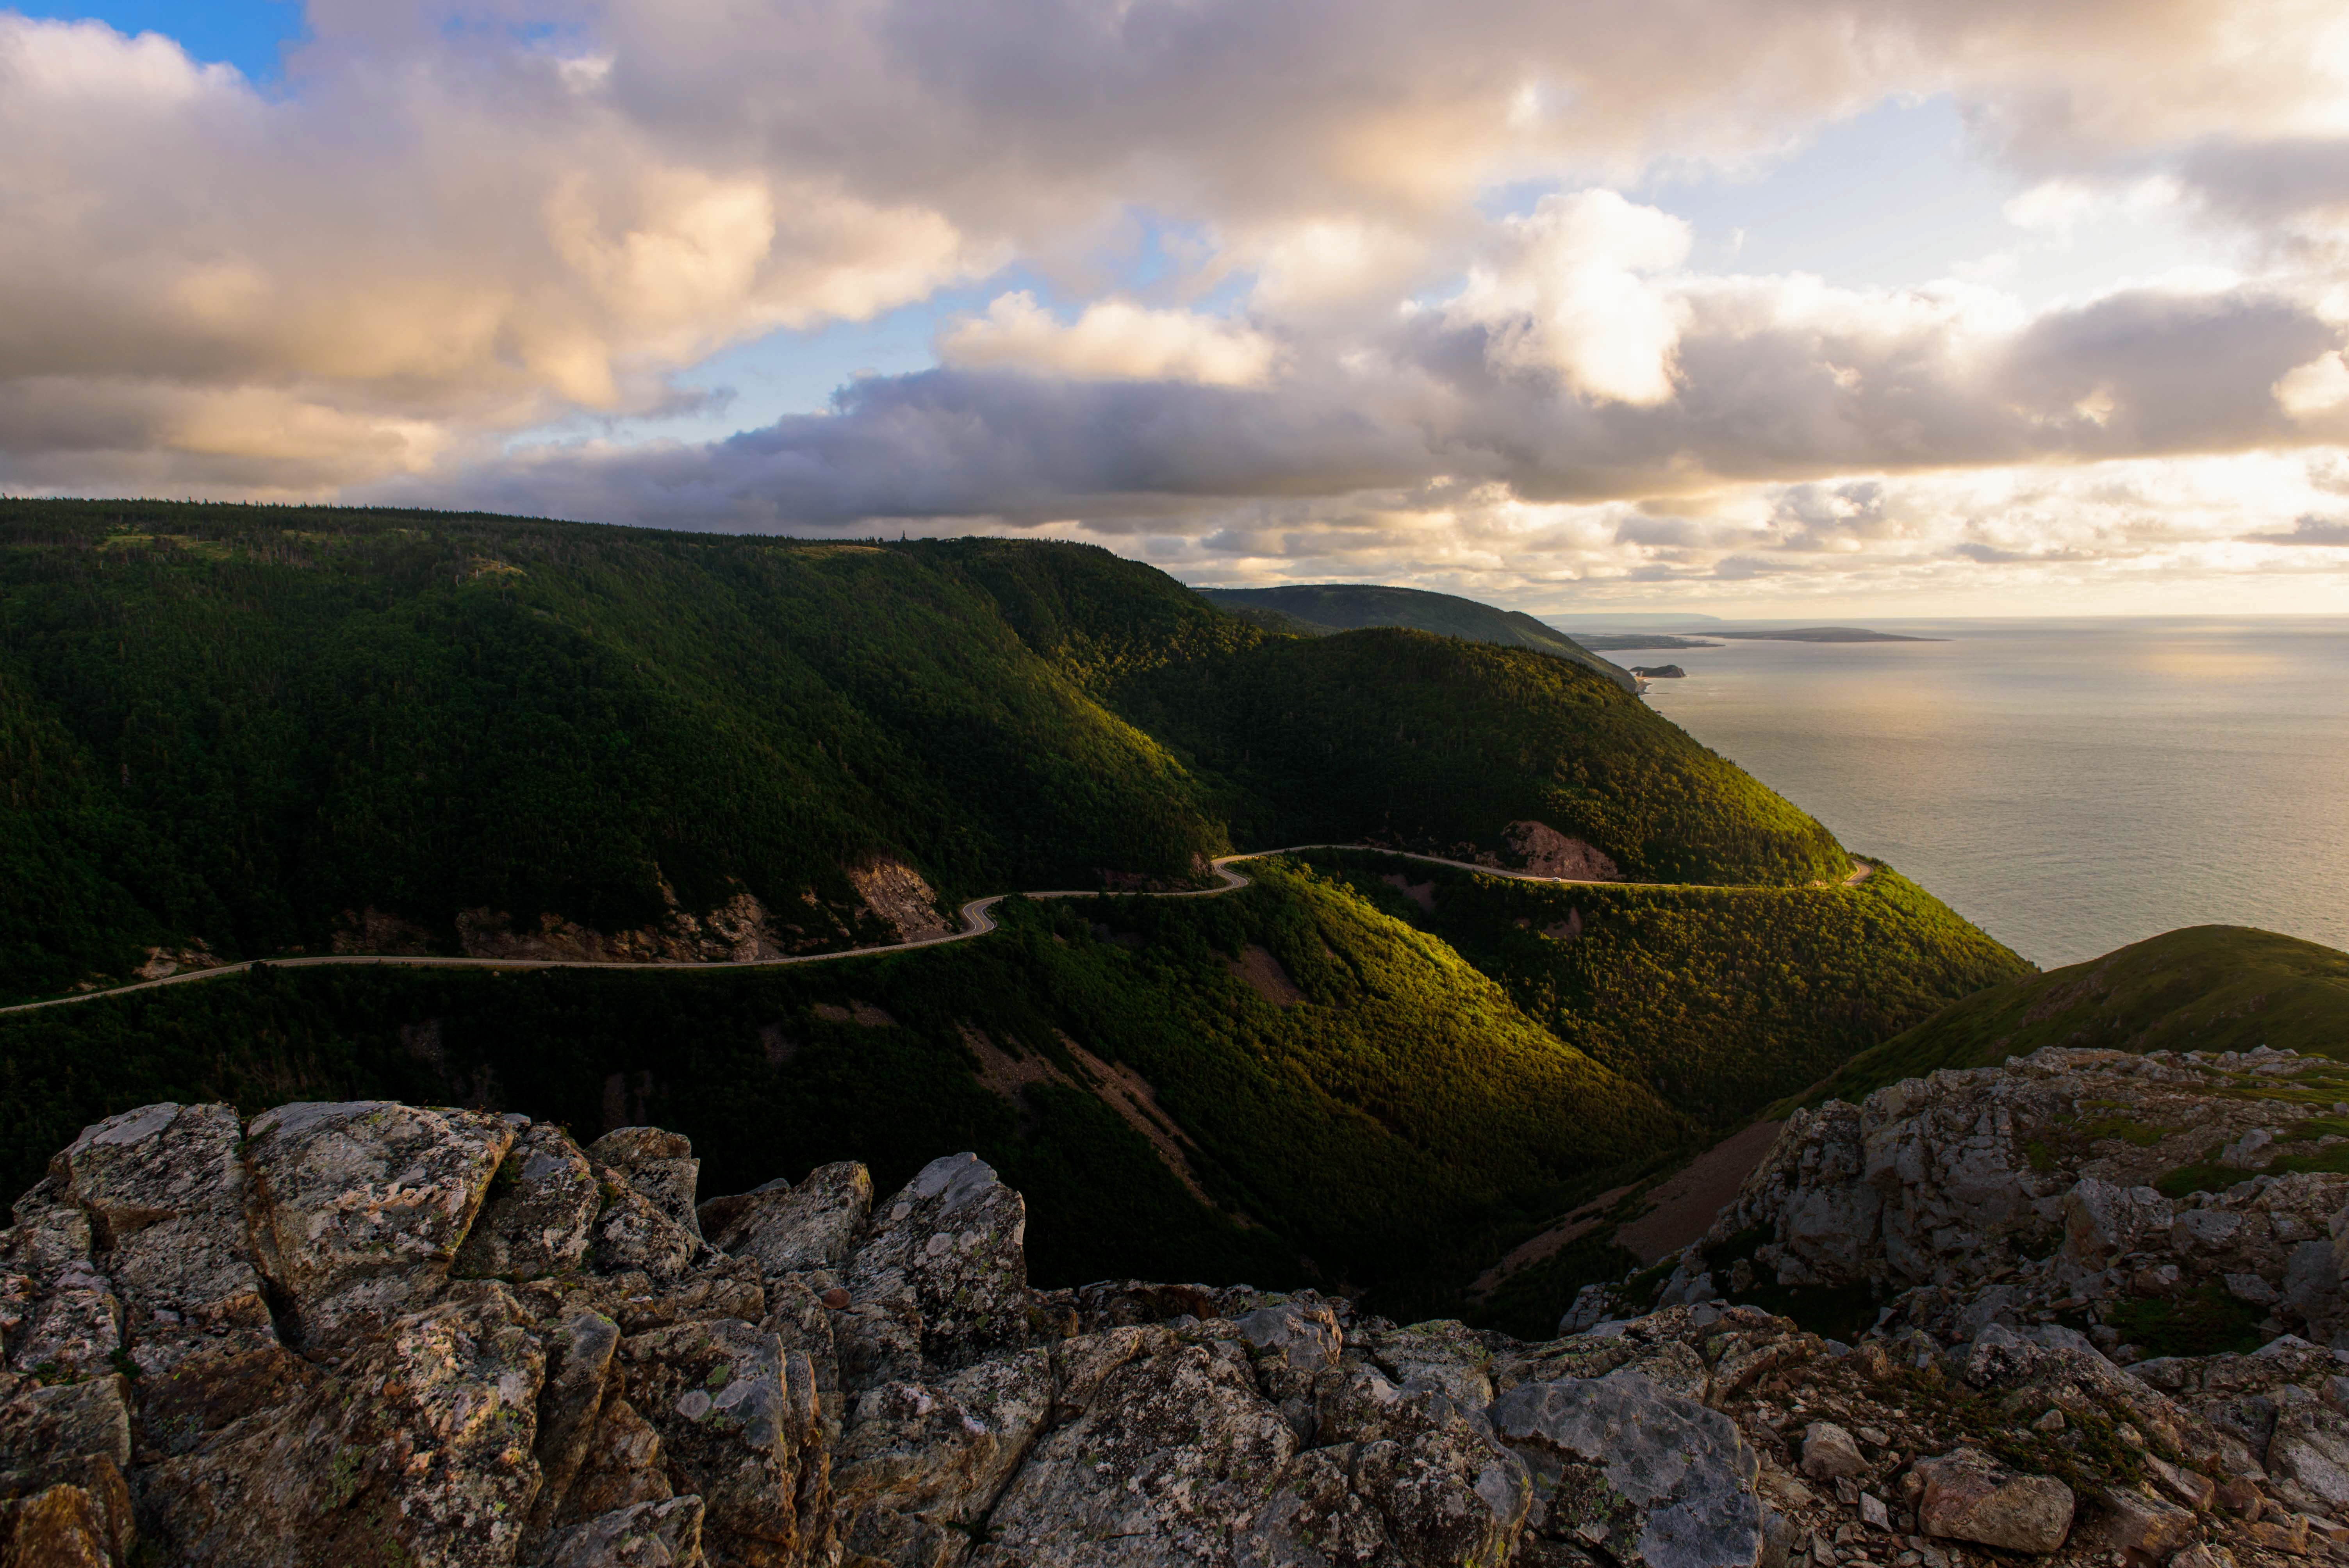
(1822, 634)
(1623, 642)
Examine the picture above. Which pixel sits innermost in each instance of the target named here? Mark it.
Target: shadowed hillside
(1282, 1085)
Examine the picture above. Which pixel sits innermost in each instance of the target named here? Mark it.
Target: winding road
(977, 920)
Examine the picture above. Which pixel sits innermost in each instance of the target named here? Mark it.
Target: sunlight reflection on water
(2070, 786)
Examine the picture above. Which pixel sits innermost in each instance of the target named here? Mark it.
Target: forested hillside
(252, 731)
(1354, 1101)
(1414, 740)
(1720, 999)
(2202, 988)
(1325, 607)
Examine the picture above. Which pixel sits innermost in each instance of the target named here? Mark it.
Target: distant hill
(1626, 642)
(1821, 634)
(2205, 988)
(1349, 606)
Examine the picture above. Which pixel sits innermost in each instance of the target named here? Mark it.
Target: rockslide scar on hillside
(977, 917)
(364, 1333)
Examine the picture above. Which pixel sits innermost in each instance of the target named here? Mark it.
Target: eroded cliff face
(371, 1333)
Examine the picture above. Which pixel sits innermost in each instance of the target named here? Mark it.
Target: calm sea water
(2069, 786)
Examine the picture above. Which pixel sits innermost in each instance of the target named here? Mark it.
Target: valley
(609, 826)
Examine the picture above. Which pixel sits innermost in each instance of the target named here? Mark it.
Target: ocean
(2070, 786)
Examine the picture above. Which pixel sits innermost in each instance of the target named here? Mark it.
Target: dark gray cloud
(2311, 529)
(1859, 385)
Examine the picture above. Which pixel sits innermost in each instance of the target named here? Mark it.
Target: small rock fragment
(1830, 1453)
(1969, 1497)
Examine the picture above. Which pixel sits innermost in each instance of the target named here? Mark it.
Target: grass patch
(2207, 1322)
(2122, 1128)
(2202, 1176)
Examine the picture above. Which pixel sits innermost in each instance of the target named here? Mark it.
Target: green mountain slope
(1390, 1120)
(1350, 606)
(271, 730)
(1431, 743)
(1719, 1000)
(2205, 988)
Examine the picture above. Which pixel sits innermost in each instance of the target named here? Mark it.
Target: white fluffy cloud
(1114, 339)
(1573, 292)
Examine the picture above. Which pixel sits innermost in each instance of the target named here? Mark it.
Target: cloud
(455, 229)
(2319, 386)
(1572, 291)
(1113, 340)
(1775, 381)
(2310, 529)
(280, 294)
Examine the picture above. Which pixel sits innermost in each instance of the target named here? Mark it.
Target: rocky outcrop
(737, 931)
(374, 1333)
(2025, 1193)
(896, 895)
(1542, 851)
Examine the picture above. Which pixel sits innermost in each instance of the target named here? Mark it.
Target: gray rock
(1968, 1496)
(2310, 1451)
(1170, 1454)
(1663, 1481)
(2102, 1219)
(1315, 1520)
(659, 1166)
(163, 1189)
(2141, 1528)
(2251, 1152)
(633, 1233)
(542, 1200)
(792, 1230)
(356, 1210)
(944, 1452)
(641, 1535)
(740, 1426)
(1448, 1492)
(423, 1444)
(1445, 1355)
(2250, 1288)
(939, 1278)
(46, 1433)
(578, 1372)
(1830, 1453)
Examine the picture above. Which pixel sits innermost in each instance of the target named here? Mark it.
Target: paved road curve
(977, 920)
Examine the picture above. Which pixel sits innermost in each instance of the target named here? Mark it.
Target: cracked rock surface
(368, 1334)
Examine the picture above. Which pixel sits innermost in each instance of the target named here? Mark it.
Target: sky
(1752, 307)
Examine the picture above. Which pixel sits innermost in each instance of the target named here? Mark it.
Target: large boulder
(1163, 1458)
(659, 1166)
(740, 1426)
(939, 1277)
(787, 1230)
(356, 1210)
(424, 1443)
(1656, 1481)
(542, 1200)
